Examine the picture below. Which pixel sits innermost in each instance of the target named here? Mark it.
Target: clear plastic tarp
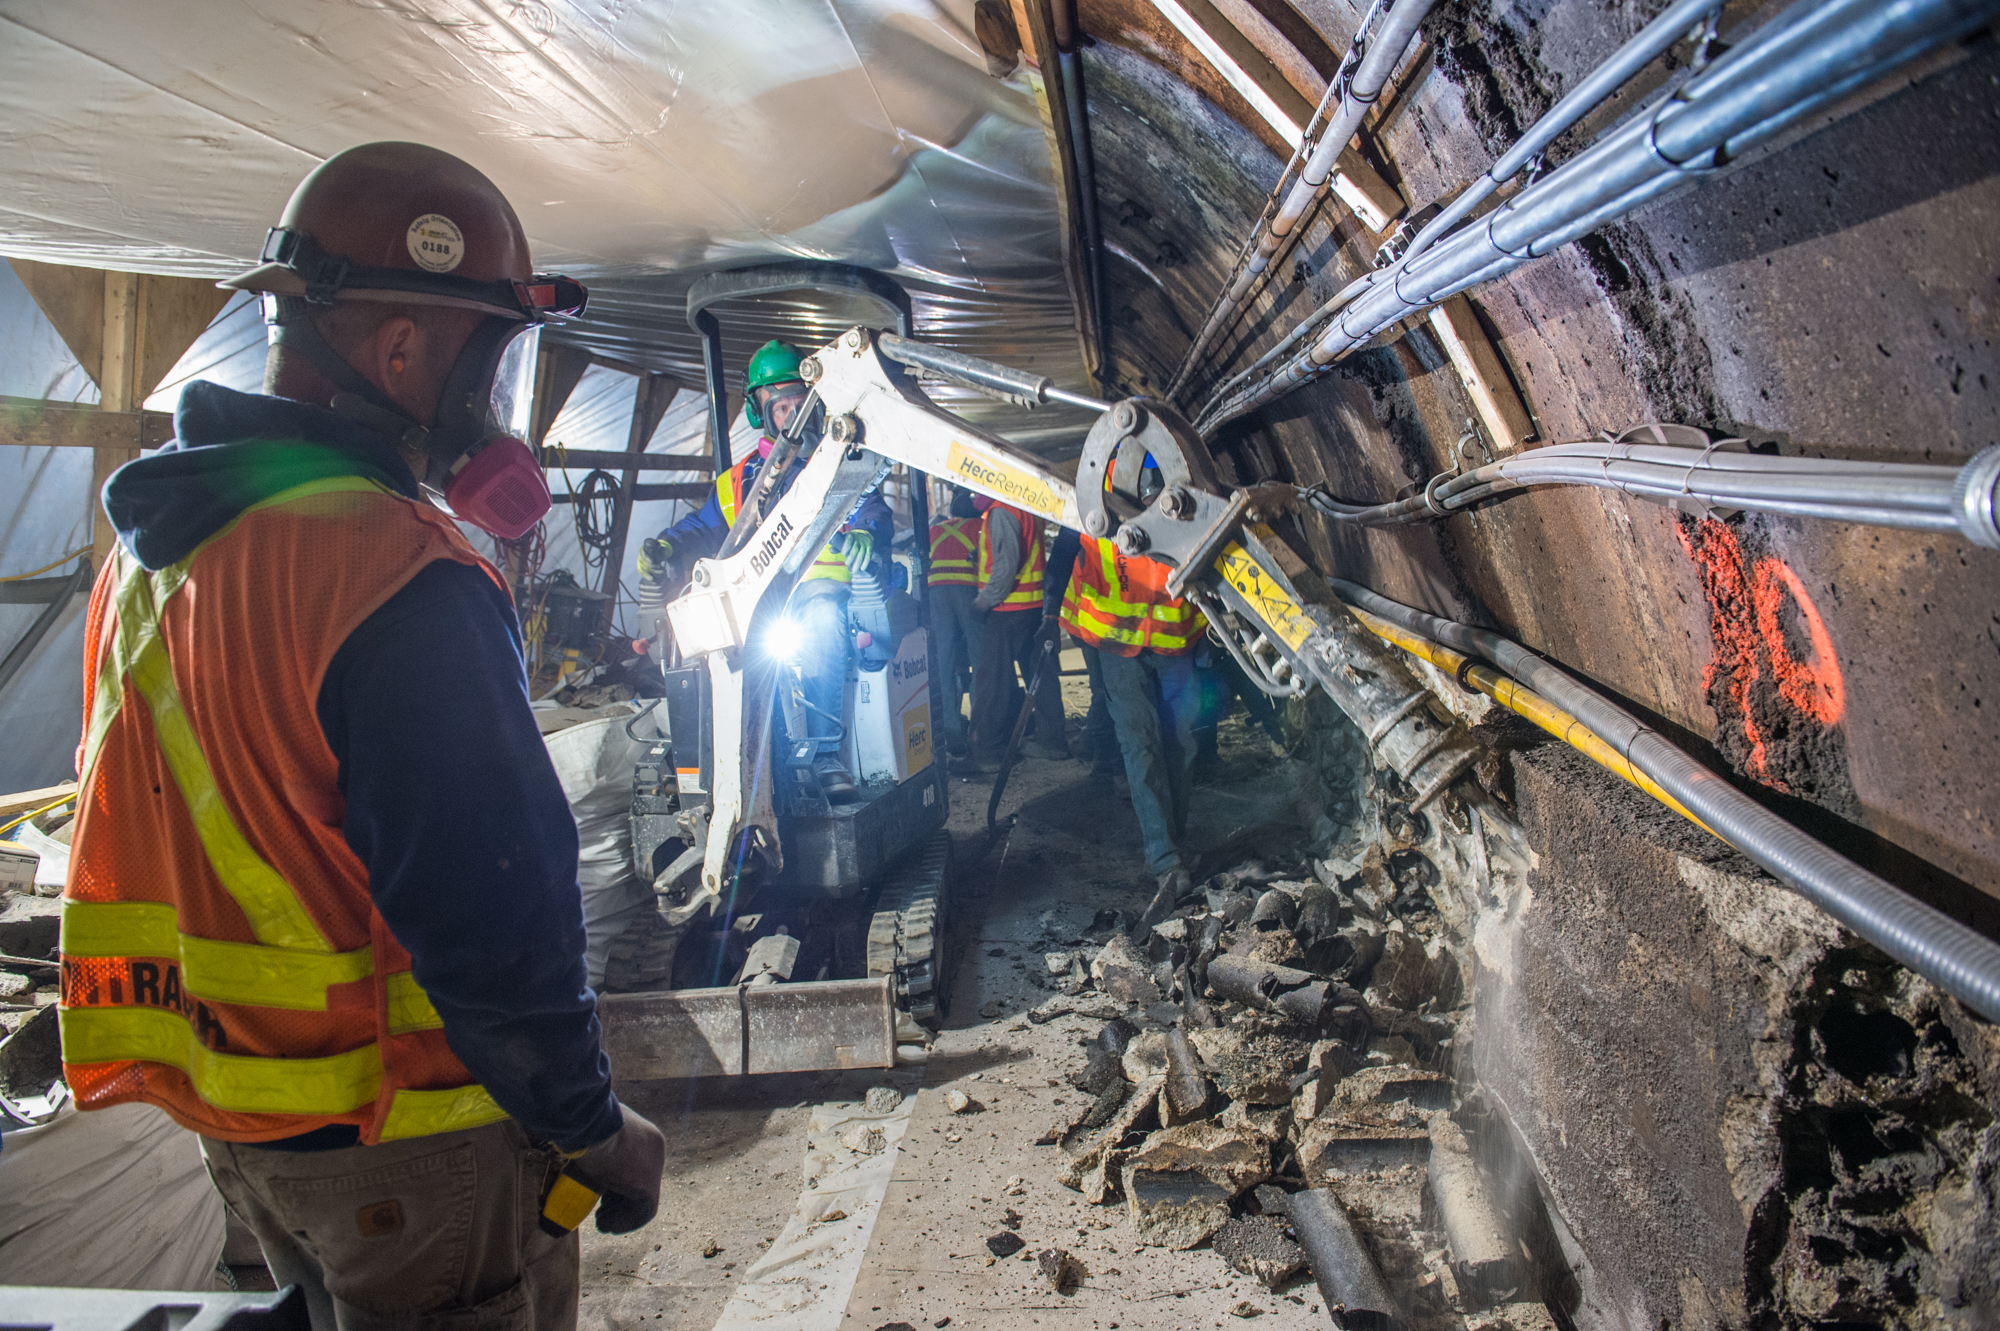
(643, 145)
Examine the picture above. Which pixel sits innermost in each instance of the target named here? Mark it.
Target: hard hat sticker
(436, 243)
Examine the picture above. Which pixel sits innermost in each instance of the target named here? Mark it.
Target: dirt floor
(957, 1180)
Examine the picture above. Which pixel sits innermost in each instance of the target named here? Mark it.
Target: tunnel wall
(1674, 1050)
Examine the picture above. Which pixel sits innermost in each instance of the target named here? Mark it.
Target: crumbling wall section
(1743, 1115)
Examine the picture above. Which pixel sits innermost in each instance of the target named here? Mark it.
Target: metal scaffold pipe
(1804, 61)
(1959, 961)
(1359, 84)
(1641, 463)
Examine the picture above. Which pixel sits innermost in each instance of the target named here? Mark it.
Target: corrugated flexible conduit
(1959, 961)
(1911, 496)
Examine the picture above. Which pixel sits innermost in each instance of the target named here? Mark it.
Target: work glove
(653, 556)
(860, 548)
(624, 1169)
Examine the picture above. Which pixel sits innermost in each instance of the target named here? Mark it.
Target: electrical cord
(593, 523)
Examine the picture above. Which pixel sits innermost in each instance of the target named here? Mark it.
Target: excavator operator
(823, 643)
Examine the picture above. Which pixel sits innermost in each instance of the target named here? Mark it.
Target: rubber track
(906, 935)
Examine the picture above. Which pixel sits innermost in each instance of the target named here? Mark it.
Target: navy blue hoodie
(452, 803)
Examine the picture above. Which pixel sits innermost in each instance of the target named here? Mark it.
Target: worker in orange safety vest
(322, 904)
(1013, 633)
(953, 581)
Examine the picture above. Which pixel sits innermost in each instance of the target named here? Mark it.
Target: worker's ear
(395, 363)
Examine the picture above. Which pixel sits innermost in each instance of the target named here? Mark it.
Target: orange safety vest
(731, 486)
(1027, 593)
(221, 956)
(954, 553)
(1119, 604)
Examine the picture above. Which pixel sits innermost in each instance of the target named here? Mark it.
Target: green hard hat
(775, 363)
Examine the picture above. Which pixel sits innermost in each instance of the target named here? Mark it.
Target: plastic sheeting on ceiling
(642, 145)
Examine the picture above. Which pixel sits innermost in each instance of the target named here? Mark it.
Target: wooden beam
(1282, 87)
(1478, 363)
(558, 370)
(35, 423)
(173, 312)
(553, 458)
(639, 492)
(118, 391)
(648, 406)
(21, 801)
(73, 300)
(1039, 45)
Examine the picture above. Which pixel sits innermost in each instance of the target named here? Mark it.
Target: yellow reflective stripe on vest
(422, 1113)
(249, 973)
(830, 565)
(245, 1085)
(409, 1006)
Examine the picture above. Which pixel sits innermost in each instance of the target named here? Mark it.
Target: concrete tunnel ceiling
(1666, 1060)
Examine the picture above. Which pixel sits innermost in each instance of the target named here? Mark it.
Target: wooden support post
(1478, 363)
(1280, 84)
(118, 391)
(648, 406)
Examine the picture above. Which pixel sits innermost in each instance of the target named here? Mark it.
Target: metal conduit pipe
(1912, 496)
(1280, 233)
(1641, 50)
(1959, 961)
(1802, 62)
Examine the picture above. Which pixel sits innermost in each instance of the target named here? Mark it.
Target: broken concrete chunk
(1483, 1259)
(1187, 1094)
(882, 1099)
(1102, 1069)
(864, 1139)
(1327, 1064)
(1276, 909)
(1058, 962)
(1005, 1244)
(1123, 972)
(1256, 1069)
(1063, 1272)
(1257, 1246)
(1270, 1124)
(1372, 889)
(1179, 1185)
(1275, 946)
(1173, 931)
(772, 958)
(957, 1101)
(1090, 1164)
(1146, 1056)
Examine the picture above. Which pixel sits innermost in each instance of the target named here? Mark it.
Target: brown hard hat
(399, 216)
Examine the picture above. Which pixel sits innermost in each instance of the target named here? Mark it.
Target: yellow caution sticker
(1010, 484)
(1269, 601)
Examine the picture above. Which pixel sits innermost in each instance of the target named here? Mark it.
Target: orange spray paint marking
(1816, 687)
(1719, 561)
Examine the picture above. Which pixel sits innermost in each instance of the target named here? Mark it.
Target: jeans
(1154, 701)
(1100, 739)
(1010, 638)
(425, 1234)
(826, 645)
(955, 629)
(1220, 678)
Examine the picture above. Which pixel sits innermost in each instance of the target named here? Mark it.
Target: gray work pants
(955, 628)
(1154, 701)
(428, 1234)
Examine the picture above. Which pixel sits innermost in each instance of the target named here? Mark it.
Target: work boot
(1174, 885)
(977, 764)
(834, 782)
(1035, 748)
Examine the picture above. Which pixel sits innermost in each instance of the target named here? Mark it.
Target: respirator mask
(480, 468)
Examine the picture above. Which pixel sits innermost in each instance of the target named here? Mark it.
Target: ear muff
(750, 411)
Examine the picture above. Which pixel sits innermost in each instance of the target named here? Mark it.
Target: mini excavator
(838, 912)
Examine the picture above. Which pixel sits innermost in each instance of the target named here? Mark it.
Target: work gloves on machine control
(625, 1169)
(653, 556)
(859, 547)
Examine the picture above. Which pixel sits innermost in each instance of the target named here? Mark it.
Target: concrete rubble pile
(1272, 1079)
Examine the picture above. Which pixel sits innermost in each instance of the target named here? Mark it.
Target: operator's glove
(625, 1170)
(653, 556)
(860, 548)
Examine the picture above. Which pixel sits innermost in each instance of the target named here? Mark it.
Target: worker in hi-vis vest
(1146, 641)
(954, 582)
(1013, 633)
(322, 903)
(773, 395)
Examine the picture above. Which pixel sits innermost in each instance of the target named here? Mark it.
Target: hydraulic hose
(1912, 496)
(1959, 961)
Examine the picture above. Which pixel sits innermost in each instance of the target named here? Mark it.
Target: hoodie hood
(232, 450)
